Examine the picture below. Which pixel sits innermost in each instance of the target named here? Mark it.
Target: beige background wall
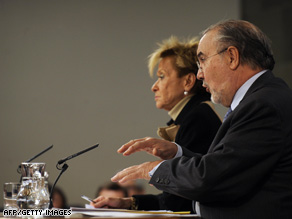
(274, 17)
(74, 73)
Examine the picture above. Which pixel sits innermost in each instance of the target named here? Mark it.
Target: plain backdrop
(73, 73)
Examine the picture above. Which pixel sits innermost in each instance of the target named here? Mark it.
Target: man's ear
(190, 80)
(233, 57)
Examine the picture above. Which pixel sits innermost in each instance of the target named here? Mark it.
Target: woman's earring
(186, 93)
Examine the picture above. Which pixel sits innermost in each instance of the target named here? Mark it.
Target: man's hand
(160, 148)
(135, 172)
(111, 202)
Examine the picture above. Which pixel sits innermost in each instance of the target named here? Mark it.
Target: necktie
(227, 114)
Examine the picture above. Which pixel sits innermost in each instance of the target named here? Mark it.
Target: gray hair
(253, 45)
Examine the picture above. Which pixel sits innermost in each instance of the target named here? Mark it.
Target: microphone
(77, 154)
(64, 168)
(34, 157)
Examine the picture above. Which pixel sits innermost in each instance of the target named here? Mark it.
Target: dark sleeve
(251, 143)
(147, 202)
(163, 201)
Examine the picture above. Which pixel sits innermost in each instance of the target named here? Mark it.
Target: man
(247, 172)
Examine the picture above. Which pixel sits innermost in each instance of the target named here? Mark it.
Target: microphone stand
(63, 169)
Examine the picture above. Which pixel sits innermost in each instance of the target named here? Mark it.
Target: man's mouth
(207, 88)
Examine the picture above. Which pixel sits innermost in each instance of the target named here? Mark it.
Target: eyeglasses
(201, 59)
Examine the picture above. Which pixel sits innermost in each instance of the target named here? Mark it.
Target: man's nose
(200, 74)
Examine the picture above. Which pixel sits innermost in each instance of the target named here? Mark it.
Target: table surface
(81, 216)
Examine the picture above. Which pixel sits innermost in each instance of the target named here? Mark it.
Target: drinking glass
(11, 190)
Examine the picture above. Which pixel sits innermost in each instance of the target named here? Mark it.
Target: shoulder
(274, 95)
(202, 111)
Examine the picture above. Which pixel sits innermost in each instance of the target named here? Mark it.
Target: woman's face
(169, 88)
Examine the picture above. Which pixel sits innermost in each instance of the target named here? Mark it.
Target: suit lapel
(258, 84)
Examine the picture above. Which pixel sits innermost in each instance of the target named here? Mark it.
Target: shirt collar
(175, 111)
(243, 89)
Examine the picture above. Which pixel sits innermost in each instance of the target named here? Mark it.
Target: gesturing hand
(135, 172)
(157, 147)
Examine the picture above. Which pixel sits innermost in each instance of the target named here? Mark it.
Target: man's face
(214, 69)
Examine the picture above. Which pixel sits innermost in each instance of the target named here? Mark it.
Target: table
(81, 216)
(84, 217)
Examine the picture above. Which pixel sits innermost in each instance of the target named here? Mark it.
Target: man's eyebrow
(200, 54)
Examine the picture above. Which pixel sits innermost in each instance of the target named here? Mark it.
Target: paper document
(107, 212)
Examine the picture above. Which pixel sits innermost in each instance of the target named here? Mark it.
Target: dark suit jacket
(198, 126)
(247, 173)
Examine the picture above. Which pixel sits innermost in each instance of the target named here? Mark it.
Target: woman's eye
(161, 76)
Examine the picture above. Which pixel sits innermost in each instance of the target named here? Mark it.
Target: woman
(193, 122)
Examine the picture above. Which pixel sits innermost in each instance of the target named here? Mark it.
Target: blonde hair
(184, 53)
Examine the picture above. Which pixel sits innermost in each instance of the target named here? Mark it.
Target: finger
(127, 174)
(100, 202)
(118, 176)
(98, 205)
(127, 145)
(99, 198)
(121, 174)
(143, 145)
(130, 177)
